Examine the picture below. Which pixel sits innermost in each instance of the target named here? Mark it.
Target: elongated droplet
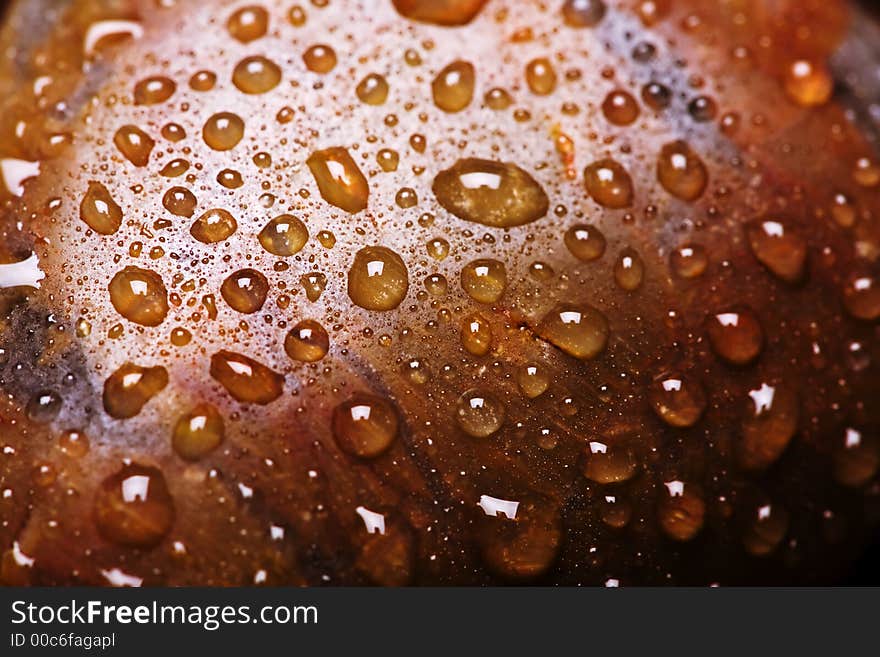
(339, 179)
(246, 379)
(577, 329)
(781, 250)
(129, 388)
(99, 211)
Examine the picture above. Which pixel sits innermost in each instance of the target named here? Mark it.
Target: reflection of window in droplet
(375, 522)
(492, 506)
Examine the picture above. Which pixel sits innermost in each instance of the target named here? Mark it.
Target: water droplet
(99, 211)
(533, 379)
(365, 426)
(678, 400)
(450, 13)
(314, 285)
(608, 464)
(496, 194)
(856, 457)
(378, 279)
(541, 76)
(339, 179)
(284, 235)
(577, 329)
(479, 414)
(248, 23)
(154, 90)
(453, 88)
(307, 342)
(173, 132)
(861, 297)
(681, 512)
(497, 99)
(437, 285)
(203, 80)
(74, 444)
(139, 295)
(620, 108)
(256, 75)
(583, 13)
(703, 109)
(476, 334)
(736, 336)
(866, 172)
(174, 168)
(681, 171)
(484, 280)
(629, 270)
(765, 530)
(245, 379)
(585, 242)
(320, 59)
(133, 507)
(438, 248)
(180, 201)
(44, 406)
(129, 388)
(769, 425)
(779, 249)
(609, 184)
(388, 159)
(689, 261)
(213, 226)
(223, 131)
(134, 144)
(198, 432)
(406, 198)
(373, 89)
(245, 290)
(656, 96)
(809, 83)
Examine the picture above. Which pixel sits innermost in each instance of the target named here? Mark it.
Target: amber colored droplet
(135, 144)
(496, 194)
(681, 171)
(203, 80)
(656, 96)
(378, 279)
(607, 464)
(180, 337)
(74, 444)
(736, 336)
(174, 168)
(703, 109)
(541, 76)
(284, 235)
(223, 131)
(438, 248)
(585, 242)
(681, 512)
(678, 400)
(340, 181)
(297, 16)
(245, 290)
(629, 270)
(173, 132)
(406, 198)
(866, 172)
(247, 380)
(256, 75)
(583, 13)
(689, 261)
(388, 159)
(497, 99)
(320, 59)
(476, 335)
(771, 419)
(861, 296)
(314, 285)
(523, 549)
(450, 13)
(307, 342)
(437, 285)
(484, 280)
(577, 329)
(198, 432)
(129, 388)
(180, 201)
(609, 184)
(453, 88)
(133, 507)
(99, 211)
(767, 527)
(855, 458)
(781, 250)
(154, 90)
(230, 179)
(479, 414)
(533, 379)
(365, 426)
(139, 295)
(620, 108)
(248, 23)
(373, 89)
(213, 226)
(809, 83)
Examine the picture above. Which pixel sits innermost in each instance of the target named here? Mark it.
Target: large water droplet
(213, 226)
(577, 329)
(245, 379)
(307, 342)
(284, 235)
(779, 249)
(736, 335)
(365, 426)
(681, 171)
(245, 290)
(770, 423)
(135, 144)
(129, 388)
(484, 280)
(479, 414)
(339, 179)
(133, 507)
(440, 12)
(609, 184)
(256, 75)
(139, 295)
(378, 279)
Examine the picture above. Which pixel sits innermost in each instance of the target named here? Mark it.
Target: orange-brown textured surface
(328, 286)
